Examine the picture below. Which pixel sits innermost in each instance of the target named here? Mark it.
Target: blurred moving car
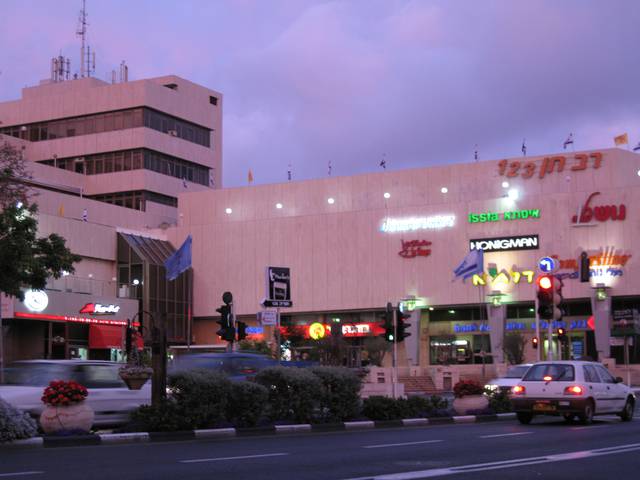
(109, 396)
(510, 380)
(571, 388)
(236, 365)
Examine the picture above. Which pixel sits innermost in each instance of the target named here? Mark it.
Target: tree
(513, 347)
(25, 260)
(376, 348)
(12, 171)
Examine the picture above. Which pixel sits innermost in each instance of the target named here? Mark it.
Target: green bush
(246, 404)
(201, 396)
(167, 417)
(384, 408)
(15, 424)
(500, 402)
(340, 399)
(294, 393)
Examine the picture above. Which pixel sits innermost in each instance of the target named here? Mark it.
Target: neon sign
(503, 277)
(415, 248)
(99, 309)
(601, 214)
(36, 300)
(496, 216)
(409, 224)
(548, 165)
(603, 266)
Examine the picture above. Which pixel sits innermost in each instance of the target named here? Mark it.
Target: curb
(155, 437)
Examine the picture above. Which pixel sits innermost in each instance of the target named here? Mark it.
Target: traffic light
(389, 332)
(545, 296)
(584, 267)
(557, 299)
(562, 335)
(534, 342)
(242, 330)
(401, 332)
(226, 332)
(336, 328)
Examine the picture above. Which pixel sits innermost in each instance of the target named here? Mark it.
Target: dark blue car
(236, 365)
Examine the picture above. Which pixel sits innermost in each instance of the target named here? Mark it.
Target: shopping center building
(125, 172)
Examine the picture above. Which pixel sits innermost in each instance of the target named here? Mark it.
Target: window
(604, 374)
(213, 100)
(557, 372)
(171, 86)
(590, 374)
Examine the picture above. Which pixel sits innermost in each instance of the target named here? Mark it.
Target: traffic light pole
(550, 341)
(394, 374)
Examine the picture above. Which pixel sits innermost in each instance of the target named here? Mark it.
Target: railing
(88, 286)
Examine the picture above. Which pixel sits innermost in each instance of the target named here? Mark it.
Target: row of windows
(110, 121)
(133, 160)
(135, 199)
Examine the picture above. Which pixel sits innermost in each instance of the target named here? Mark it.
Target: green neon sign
(497, 216)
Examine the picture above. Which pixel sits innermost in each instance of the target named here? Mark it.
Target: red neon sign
(601, 213)
(415, 248)
(68, 318)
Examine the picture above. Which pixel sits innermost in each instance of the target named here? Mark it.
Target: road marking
(517, 462)
(19, 473)
(220, 459)
(505, 435)
(401, 444)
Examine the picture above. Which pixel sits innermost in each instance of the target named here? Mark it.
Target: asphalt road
(548, 448)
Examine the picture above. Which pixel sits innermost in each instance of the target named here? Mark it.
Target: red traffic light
(534, 342)
(545, 282)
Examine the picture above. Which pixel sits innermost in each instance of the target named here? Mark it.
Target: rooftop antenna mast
(87, 58)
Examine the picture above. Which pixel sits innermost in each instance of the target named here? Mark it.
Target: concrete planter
(469, 403)
(68, 417)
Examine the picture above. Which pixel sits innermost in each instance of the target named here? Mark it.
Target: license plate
(544, 407)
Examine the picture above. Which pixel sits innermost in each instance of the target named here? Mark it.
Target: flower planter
(78, 416)
(468, 403)
(135, 377)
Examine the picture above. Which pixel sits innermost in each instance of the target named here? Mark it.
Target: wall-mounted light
(513, 194)
(331, 201)
(228, 211)
(444, 189)
(505, 184)
(387, 195)
(278, 206)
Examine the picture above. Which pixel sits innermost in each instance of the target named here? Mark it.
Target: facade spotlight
(513, 194)
(228, 211)
(278, 206)
(387, 195)
(444, 189)
(505, 184)
(331, 201)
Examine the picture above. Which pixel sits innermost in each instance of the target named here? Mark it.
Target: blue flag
(472, 264)
(179, 261)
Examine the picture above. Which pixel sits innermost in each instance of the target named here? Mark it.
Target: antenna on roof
(87, 58)
(60, 67)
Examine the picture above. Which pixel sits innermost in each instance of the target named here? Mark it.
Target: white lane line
(220, 459)
(518, 462)
(401, 444)
(15, 474)
(505, 435)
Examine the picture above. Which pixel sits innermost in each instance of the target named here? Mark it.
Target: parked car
(109, 397)
(510, 380)
(570, 389)
(236, 365)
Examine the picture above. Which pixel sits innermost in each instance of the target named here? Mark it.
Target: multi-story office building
(108, 162)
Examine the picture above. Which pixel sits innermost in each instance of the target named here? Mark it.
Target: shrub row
(205, 399)
(15, 424)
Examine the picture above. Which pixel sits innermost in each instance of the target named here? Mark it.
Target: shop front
(63, 325)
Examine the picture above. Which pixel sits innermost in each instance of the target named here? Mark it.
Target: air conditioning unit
(173, 133)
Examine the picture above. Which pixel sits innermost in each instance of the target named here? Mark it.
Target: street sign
(267, 317)
(547, 264)
(276, 303)
(278, 287)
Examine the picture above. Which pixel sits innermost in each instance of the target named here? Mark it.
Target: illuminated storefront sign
(495, 278)
(99, 309)
(409, 224)
(318, 330)
(601, 213)
(557, 163)
(504, 244)
(472, 327)
(581, 324)
(68, 318)
(604, 266)
(36, 300)
(415, 248)
(497, 216)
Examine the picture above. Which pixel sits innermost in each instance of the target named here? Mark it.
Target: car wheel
(627, 412)
(524, 417)
(586, 417)
(568, 417)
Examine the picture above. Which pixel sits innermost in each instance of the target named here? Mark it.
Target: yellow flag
(621, 139)
(250, 176)
(61, 210)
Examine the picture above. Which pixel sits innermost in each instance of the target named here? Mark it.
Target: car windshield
(550, 371)
(517, 371)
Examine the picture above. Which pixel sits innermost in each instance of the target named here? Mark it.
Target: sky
(308, 84)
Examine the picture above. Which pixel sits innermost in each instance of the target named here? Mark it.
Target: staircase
(422, 385)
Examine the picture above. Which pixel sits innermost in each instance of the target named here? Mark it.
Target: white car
(513, 376)
(109, 397)
(570, 389)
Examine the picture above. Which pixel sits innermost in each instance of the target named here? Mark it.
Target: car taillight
(573, 390)
(519, 390)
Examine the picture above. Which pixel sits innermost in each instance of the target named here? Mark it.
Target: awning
(106, 336)
(148, 249)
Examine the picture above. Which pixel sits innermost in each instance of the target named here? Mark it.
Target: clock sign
(36, 300)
